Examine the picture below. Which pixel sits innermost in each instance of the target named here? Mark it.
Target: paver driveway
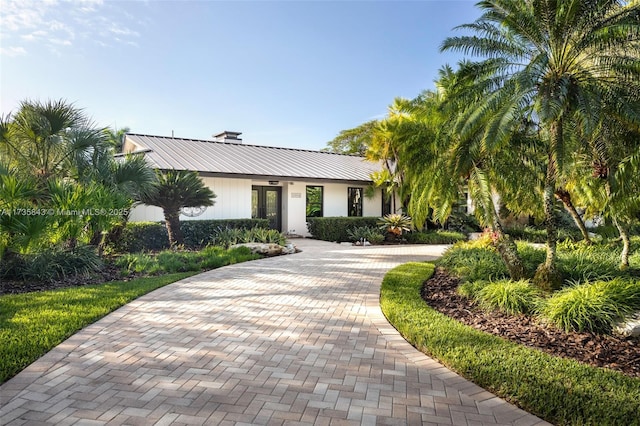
(296, 339)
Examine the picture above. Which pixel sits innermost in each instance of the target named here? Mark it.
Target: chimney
(227, 136)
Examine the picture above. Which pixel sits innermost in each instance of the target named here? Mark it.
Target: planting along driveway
(295, 339)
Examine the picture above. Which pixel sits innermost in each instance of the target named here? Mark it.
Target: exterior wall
(233, 201)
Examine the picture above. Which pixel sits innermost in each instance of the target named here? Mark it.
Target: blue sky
(285, 73)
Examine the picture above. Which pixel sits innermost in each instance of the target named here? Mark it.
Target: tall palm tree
(173, 190)
(558, 59)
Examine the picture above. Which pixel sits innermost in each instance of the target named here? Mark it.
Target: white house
(251, 181)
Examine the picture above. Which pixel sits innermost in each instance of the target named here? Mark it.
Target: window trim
(321, 203)
(351, 202)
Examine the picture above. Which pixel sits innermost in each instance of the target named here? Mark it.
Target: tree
(115, 137)
(353, 141)
(49, 139)
(173, 190)
(557, 59)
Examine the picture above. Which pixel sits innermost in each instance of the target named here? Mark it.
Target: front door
(265, 204)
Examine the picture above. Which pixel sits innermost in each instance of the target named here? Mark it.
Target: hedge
(152, 236)
(336, 228)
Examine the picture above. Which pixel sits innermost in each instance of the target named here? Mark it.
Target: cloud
(13, 51)
(62, 24)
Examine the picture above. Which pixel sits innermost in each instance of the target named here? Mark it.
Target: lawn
(561, 391)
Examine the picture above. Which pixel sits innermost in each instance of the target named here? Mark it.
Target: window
(314, 201)
(386, 202)
(354, 201)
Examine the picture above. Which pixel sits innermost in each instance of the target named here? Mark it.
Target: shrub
(435, 237)
(152, 236)
(201, 233)
(511, 297)
(396, 224)
(594, 307)
(539, 235)
(470, 289)
(473, 264)
(262, 235)
(365, 233)
(51, 264)
(337, 228)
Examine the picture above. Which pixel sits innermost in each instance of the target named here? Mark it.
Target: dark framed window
(315, 201)
(386, 202)
(354, 201)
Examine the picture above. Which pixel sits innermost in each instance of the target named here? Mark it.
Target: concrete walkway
(295, 339)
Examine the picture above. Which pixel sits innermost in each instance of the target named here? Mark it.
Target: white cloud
(13, 51)
(63, 24)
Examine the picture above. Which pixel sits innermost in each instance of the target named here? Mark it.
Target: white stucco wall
(233, 201)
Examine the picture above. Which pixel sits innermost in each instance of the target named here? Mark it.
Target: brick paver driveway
(296, 339)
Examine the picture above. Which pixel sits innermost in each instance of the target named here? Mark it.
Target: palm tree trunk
(547, 275)
(508, 251)
(626, 243)
(622, 230)
(564, 196)
(172, 220)
(506, 247)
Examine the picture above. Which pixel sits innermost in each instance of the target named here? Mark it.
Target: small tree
(173, 190)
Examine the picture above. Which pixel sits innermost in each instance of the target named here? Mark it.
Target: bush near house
(337, 228)
(152, 236)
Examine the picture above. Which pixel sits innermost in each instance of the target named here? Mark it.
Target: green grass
(169, 261)
(561, 391)
(31, 324)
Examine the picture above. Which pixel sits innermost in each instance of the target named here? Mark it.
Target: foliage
(395, 223)
(592, 306)
(31, 324)
(561, 391)
(337, 228)
(353, 141)
(537, 235)
(152, 236)
(51, 264)
(434, 237)
(462, 222)
(59, 182)
(171, 261)
(511, 297)
(173, 190)
(365, 233)
(474, 263)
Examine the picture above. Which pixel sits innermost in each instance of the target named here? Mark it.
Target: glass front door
(265, 204)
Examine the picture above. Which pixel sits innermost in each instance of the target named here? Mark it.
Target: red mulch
(617, 353)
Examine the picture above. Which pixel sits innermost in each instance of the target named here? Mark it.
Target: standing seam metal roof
(226, 158)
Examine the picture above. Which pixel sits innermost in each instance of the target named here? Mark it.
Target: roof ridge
(245, 144)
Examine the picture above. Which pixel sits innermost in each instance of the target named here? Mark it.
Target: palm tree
(49, 139)
(173, 190)
(115, 137)
(556, 59)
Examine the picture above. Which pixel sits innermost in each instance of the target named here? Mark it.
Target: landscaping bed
(599, 350)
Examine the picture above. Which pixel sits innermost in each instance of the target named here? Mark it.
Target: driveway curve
(296, 339)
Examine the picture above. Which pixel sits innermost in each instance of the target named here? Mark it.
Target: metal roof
(225, 158)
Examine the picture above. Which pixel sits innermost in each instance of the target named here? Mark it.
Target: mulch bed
(617, 353)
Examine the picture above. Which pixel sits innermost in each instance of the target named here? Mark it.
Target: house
(283, 185)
